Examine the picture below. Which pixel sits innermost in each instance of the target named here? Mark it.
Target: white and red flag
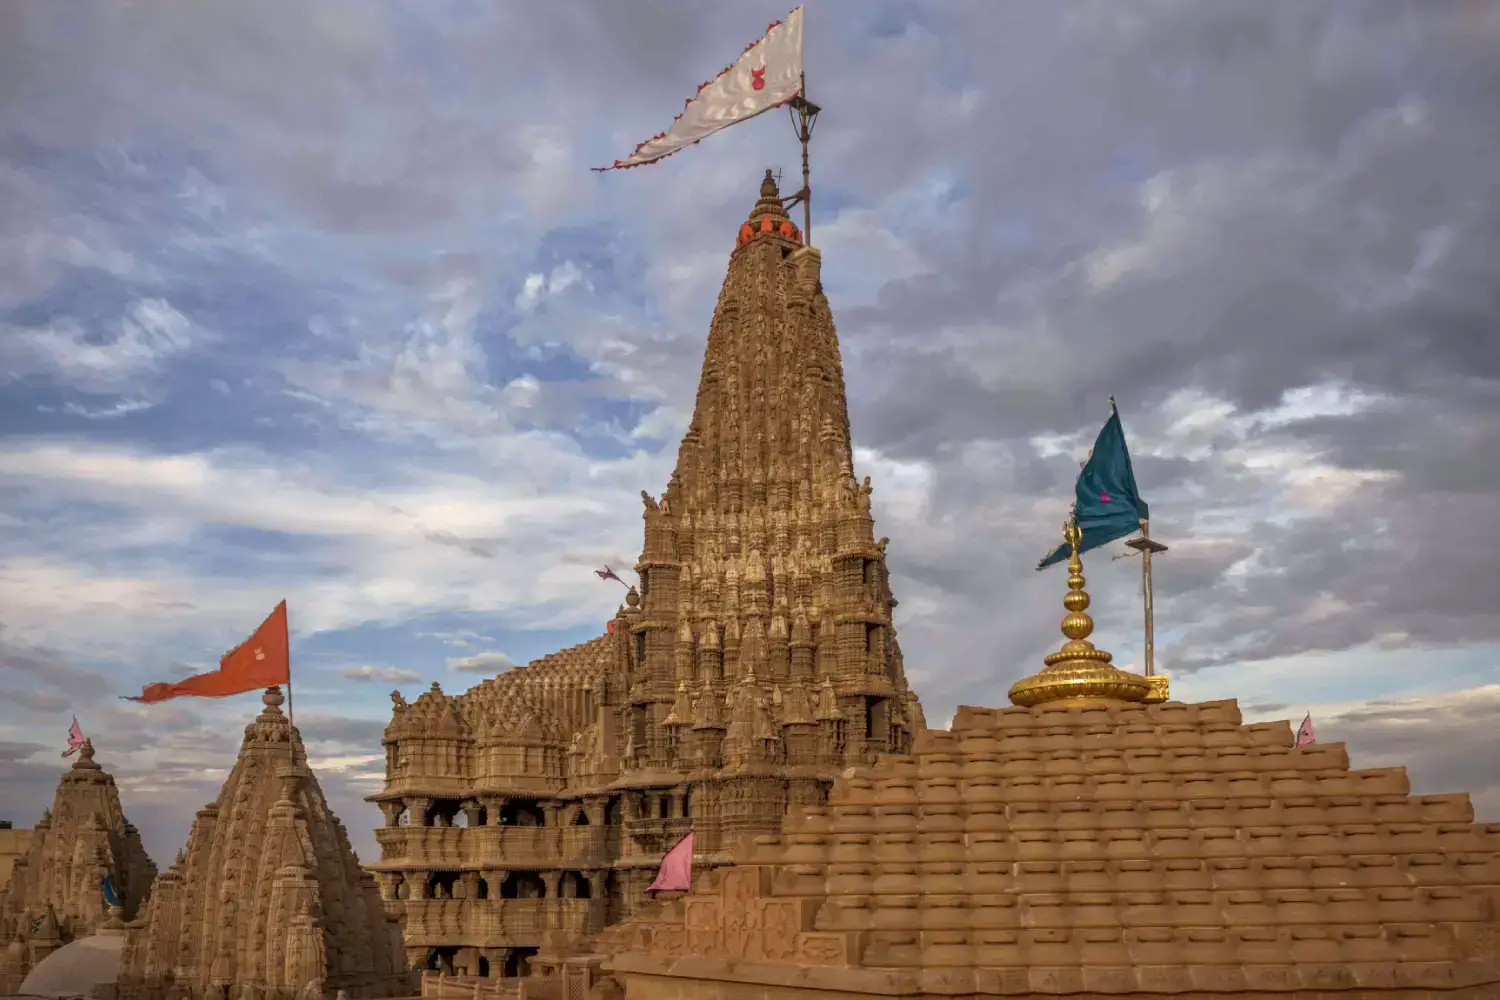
(676, 872)
(75, 738)
(1305, 733)
(766, 76)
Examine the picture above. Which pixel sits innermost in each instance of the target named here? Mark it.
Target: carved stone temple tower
(56, 891)
(268, 899)
(755, 662)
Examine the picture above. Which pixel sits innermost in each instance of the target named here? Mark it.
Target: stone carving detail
(754, 661)
(268, 896)
(55, 894)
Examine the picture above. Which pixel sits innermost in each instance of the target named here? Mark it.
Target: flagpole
(291, 718)
(1147, 546)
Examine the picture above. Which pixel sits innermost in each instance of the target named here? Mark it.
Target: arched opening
(441, 959)
(523, 885)
(612, 811)
(441, 885)
(663, 806)
(575, 885)
(614, 899)
(518, 963)
(443, 812)
(687, 802)
(402, 818)
(581, 817)
(482, 888)
(519, 812)
(484, 967)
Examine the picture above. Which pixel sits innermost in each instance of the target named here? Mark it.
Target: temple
(754, 662)
(267, 899)
(57, 892)
(1087, 843)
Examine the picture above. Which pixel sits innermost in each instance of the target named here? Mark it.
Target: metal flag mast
(804, 116)
(1147, 546)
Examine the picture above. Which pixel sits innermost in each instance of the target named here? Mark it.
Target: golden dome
(1078, 673)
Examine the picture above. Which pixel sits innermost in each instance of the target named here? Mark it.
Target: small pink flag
(676, 872)
(75, 738)
(1305, 733)
(608, 574)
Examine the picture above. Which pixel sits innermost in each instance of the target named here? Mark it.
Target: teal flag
(1107, 505)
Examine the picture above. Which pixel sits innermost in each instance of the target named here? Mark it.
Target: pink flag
(676, 872)
(75, 738)
(608, 574)
(1305, 733)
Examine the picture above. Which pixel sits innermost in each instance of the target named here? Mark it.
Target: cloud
(482, 663)
(390, 675)
(445, 358)
(150, 334)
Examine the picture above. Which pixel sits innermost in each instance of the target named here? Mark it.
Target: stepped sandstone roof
(1087, 843)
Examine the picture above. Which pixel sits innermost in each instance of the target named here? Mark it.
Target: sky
(320, 301)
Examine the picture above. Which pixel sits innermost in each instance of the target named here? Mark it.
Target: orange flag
(263, 660)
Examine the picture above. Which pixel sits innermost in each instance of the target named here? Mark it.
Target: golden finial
(1078, 673)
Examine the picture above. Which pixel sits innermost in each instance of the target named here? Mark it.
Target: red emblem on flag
(758, 79)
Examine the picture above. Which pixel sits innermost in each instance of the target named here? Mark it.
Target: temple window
(518, 963)
(523, 885)
(580, 818)
(612, 812)
(444, 812)
(441, 885)
(575, 886)
(518, 812)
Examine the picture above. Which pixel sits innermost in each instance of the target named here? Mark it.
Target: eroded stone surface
(267, 898)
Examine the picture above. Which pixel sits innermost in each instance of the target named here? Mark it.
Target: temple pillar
(492, 806)
(595, 809)
(419, 807)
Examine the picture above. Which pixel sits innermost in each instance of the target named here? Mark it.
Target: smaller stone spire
(770, 199)
(85, 761)
(1078, 673)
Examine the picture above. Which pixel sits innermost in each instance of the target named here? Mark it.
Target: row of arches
(511, 885)
(464, 813)
(508, 963)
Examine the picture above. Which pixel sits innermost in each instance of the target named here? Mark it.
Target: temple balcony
(496, 923)
(493, 847)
